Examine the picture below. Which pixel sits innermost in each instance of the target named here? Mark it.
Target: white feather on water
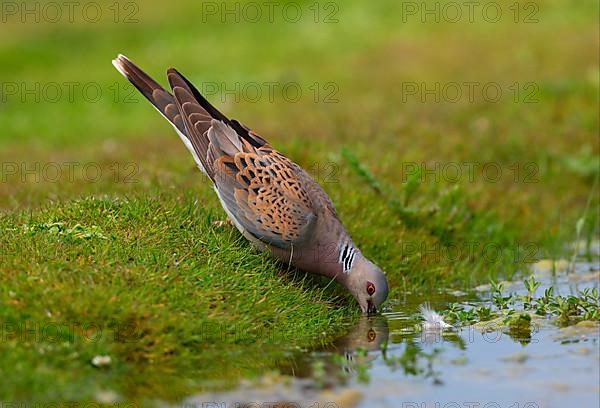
(432, 320)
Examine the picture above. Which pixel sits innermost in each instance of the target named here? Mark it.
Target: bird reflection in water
(350, 351)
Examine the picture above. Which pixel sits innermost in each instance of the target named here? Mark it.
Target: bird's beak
(371, 309)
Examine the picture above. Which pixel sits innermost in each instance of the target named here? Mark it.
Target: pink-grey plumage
(271, 200)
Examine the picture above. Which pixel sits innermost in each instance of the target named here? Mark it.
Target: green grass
(133, 259)
(153, 283)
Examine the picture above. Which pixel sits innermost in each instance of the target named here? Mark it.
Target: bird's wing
(264, 192)
(198, 117)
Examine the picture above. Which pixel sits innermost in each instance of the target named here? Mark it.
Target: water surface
(387, 361)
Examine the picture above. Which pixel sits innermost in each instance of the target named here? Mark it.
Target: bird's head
(368, 285)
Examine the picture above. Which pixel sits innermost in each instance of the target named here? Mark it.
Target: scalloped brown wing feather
(264, 192)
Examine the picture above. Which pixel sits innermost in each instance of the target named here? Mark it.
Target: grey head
(368, 285)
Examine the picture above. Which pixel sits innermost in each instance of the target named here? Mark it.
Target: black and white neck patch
(347, 256)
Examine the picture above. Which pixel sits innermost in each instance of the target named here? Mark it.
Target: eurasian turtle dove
(271, 200)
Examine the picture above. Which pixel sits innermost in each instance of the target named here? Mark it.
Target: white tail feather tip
(118, 65)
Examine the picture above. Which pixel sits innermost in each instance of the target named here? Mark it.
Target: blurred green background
(378, 83)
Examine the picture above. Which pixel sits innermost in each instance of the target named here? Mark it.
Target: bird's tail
(186, 109)
(161, 99)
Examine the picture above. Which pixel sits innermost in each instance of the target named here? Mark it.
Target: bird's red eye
(371, 335)
(370, 288)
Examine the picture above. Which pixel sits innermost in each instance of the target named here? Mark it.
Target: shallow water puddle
(386, 361)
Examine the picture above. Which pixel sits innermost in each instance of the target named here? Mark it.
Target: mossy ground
(124, 256)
